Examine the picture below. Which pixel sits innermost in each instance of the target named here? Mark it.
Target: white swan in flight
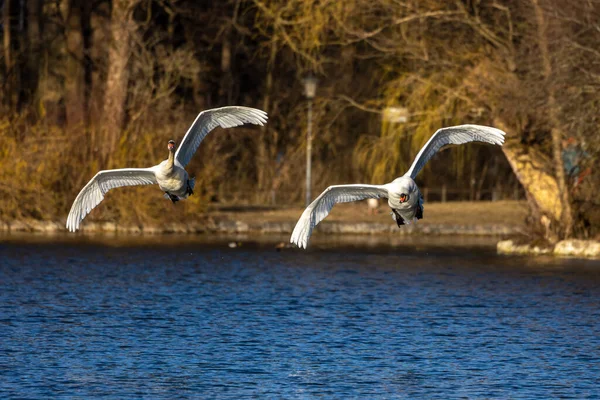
(170, 175)
(404, 197)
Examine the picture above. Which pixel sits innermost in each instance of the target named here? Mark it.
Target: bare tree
(34, 43)
(122, 29)
(74, 59)
(566, 216)
(8, 54)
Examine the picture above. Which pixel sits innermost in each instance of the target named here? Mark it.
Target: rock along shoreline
(565, 248)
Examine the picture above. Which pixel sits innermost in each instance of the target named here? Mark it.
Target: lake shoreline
(501, 218)
(238, 226)
(589, 249)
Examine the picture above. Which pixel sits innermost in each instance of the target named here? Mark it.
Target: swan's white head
(171, 145)
(405, 187)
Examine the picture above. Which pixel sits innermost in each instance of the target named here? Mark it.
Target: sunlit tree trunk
(535, 173)
(122, 27)
(566, 220)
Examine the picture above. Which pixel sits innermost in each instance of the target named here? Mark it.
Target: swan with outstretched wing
(170, 175)
(404, 197)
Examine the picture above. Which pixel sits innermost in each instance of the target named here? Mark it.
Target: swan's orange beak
(403, 198)
(171, 145)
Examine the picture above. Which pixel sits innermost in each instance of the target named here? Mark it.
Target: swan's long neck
(170, 160)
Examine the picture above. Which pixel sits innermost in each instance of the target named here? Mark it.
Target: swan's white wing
(454, 135)
(206, 121)
(320, 207)
(93, 193)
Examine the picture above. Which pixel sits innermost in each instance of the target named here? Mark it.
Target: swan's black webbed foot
(419, 213)
(189, 191)
(172, 197)
(398, 218)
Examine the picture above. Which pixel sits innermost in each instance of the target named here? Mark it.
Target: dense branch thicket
(100, 84)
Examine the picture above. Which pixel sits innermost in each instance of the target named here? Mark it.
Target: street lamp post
(310, 89)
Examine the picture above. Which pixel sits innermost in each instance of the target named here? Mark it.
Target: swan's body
(170, 175)
(173, 179)
(404, 197)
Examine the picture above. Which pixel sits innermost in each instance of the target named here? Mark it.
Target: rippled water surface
(159, 319)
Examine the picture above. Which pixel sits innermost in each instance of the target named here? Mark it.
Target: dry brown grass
(42, 170)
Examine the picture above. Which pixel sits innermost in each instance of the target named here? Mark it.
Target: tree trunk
(6, 33)
(74, 68)
(7, 44)
(98, 52)
(263, 168)
(566, 222)
(34, 39)
(226, 84)
(122, 28)
(534, 172)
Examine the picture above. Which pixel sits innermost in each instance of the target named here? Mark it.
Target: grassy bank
(510, 213)
(469, 218)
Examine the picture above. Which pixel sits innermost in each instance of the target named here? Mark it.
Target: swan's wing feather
(322, 205)
(93, 193)
(206, 121)
(454, 135)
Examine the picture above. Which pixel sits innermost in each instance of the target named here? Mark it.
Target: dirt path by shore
(463, 218)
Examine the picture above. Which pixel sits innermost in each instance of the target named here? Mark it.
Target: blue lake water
(162, 318)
